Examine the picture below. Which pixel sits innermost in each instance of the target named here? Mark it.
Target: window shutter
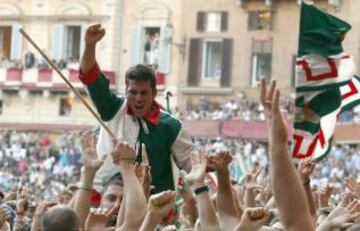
(68, 42)
(16, 42)
(224, 20)
(253, 20)
(226, 62)
(194, 62)
(82, 39)
(136, 43)
(165, 49)
(200, 22)
(57, 45)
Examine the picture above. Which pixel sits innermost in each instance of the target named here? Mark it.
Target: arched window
(151, 37)
(67, 43)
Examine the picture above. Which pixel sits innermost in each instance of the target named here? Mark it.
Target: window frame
(61, 99)
(68, 53)
(204, 60)
(254, 68)
(254, 22)
(218, 21)
(6, 41)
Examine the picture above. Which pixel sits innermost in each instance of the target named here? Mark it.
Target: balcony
(43, 79)
(243, 3)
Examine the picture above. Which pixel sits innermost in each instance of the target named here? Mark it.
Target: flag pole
(77, 93)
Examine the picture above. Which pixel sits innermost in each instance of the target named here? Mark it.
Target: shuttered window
(211, 60)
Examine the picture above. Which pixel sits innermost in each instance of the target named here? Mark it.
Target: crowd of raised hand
(272, 195)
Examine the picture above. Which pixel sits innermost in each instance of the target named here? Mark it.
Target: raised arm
(107, 103)
(306, 167)
(91, 164)
(39, 213)
(134, 201)
(250, 186)
(93, 35)
(285, 180)
(4, 216)
(253, 219)
(342, 217)
(158, 206)
(207, 213)
(225, 200)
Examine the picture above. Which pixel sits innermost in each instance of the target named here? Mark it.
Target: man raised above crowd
(136, 118)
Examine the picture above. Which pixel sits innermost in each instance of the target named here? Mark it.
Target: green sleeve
(106, 102)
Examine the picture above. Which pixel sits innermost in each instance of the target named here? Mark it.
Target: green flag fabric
(323, 74)
(320, 33)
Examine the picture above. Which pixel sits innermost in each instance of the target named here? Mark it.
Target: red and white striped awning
(47, 79)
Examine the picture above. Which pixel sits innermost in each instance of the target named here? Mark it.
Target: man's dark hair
(60, 218)
(116, 179)
(141, 72)
(2, 195)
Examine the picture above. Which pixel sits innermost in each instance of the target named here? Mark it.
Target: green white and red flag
(324, 81)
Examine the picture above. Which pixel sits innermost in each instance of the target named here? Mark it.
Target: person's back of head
(60, 218)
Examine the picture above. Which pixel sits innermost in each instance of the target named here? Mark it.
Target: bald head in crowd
(60, 218)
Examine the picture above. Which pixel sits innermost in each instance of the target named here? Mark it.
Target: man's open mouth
(138, 107)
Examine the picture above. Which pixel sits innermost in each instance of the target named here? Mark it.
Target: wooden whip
(77, 93)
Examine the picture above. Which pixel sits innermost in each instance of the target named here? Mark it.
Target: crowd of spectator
(30, 61)
(48, 165)
(243, 108)
(37, 160)
(247, 109)
(47, 182)
(42, 164)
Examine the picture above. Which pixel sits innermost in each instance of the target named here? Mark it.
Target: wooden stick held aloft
(77, 93)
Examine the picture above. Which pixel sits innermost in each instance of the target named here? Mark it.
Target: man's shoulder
(169, 120)
(166, 117)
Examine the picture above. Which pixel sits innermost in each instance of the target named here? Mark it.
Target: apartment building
(216, 49)
(32, 93)
(230, 44)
